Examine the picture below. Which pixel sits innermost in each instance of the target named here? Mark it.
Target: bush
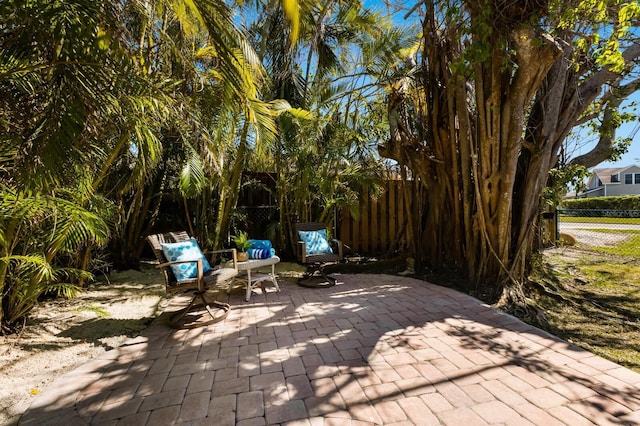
(625, 202)
(40, 239)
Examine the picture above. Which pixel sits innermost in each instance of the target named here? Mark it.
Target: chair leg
(307, 279)
(177, 319)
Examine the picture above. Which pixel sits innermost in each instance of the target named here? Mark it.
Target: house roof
(605, 174)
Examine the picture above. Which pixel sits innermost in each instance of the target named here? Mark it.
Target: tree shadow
(606, 317)
(374, 348)
(95, 330)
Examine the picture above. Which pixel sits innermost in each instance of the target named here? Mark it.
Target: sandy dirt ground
(62, 334)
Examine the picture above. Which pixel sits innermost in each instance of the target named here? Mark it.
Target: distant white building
(612, 182)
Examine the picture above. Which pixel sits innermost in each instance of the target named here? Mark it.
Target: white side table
(257, 278)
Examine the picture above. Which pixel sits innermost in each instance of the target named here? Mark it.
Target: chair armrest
(234, 255)
(198, 266)
(340, 247)
(302, 251)
(176, 262)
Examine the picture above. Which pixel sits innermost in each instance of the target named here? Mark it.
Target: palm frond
(75, 226)
(67, 290)
(29, 265)
(192, 177)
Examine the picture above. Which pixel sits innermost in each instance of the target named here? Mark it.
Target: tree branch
(592, 87)
(613, 98)
(603, 149)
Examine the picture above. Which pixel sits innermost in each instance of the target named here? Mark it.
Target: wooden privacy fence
(381, 228)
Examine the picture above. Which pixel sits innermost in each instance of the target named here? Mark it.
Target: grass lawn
(593, 301)
(628, 247)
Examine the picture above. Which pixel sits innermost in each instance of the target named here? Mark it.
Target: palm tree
(36, 231)
(322, 162)
(58, 83)
(107, 98)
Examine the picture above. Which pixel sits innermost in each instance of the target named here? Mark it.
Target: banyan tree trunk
(463, 138)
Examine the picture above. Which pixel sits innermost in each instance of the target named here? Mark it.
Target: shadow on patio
(379, 349)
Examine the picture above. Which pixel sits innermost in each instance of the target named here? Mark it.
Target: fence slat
(380, 222)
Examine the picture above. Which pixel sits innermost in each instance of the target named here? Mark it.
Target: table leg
(273, 277)
(249, 284)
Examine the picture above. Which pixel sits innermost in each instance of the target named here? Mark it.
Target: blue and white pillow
(259, 253)
(185, 250)
(316, 241)
(261, 244)
(261, 249)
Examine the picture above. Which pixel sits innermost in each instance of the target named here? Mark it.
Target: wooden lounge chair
(315, 254)
(194, 314)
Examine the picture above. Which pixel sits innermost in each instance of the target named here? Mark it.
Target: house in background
(612, 182)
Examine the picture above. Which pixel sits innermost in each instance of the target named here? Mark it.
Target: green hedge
(625, 202)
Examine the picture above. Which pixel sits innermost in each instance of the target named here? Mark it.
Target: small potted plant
(241, 240)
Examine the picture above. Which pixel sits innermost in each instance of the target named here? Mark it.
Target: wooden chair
(316, 262)
(194, 314)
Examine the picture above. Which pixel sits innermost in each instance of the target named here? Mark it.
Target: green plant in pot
(241, 240)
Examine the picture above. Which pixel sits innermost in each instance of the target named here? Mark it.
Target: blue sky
(633, 154)
(581, 142)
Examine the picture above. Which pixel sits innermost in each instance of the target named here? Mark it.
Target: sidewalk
(374, 349)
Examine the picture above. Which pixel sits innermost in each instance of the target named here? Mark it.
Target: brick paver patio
(374, 349)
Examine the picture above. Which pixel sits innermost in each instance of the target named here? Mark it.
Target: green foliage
(619, 148)
(38, 234)
(100, 311)
(102, 109)
(241, 240)
(559, 181)
(342, 169)
(326, 158)
(107, 111)
(626, 202)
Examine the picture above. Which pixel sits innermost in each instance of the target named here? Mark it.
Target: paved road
(590, 234)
